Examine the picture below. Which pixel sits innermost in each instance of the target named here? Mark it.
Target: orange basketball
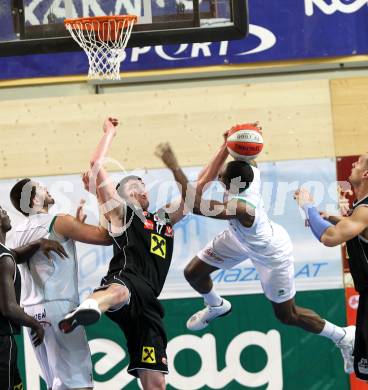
(245, 142)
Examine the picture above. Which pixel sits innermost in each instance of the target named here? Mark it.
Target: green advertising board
(249, 349)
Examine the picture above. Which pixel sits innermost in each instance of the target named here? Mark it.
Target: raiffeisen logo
(267, 40)
(332, 6)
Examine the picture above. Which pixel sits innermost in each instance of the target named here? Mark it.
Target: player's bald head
(123, 185)
(364, 158)
(359, 171)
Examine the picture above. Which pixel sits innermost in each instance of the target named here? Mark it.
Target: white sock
(90, 303)
(212, 298)
(333, 332)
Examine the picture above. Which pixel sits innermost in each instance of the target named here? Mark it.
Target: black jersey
(357, 249)
(6, 326)
(145, 247)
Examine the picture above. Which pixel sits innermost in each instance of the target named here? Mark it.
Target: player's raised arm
(110, 201)
(328, 234)
(192, 196)
(179, 207)
(210, 172)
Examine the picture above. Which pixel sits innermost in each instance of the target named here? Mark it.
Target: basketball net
(103, 39)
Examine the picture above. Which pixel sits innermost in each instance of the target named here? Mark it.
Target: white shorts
(275, 265)
(64, 359)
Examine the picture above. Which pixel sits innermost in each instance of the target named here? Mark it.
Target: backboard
(36, 26)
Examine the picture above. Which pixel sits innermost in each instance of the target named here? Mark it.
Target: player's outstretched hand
(225, 135)
(343, 195)
(166, 154)
(80, 214)
(303, 197)
(89, 182)
(37, 335)
(259, 128)
(324, 215)
(110, 125)
(48, 246)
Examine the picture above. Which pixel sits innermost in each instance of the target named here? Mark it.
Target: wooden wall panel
(350, 115)
(57, 135)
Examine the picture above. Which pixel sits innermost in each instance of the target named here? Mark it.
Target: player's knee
(154, 383)
(159, 383)
(189, 273)
(120, 293)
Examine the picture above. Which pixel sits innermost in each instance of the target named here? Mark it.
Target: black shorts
(9, 374)
(361, 339)
(141, 322)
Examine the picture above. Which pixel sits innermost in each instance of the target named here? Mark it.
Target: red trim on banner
(343, 170)
(352, 299)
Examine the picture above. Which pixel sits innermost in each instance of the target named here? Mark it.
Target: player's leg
(224, 251)
(142, 324)
(108, 297)
(39, 311)
(277, 279)
(277, 275)
(152, 380)
(111, 296)
(18, 383)
(69, 355)
(291, 314)
(197, 273)
(8, 362)
(5, 350)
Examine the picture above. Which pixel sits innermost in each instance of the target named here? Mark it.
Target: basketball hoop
(104, 39)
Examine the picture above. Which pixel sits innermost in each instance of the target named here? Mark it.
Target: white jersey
(259, 235)
(44, 280)
(265, 243)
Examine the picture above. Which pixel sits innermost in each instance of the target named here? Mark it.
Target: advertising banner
(246, 350)
(316, 266)
(279, 30)
(343, 170)
(250, 348)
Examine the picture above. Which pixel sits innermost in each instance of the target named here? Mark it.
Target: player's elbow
(6, 310)
(201, 183)
(328, 241)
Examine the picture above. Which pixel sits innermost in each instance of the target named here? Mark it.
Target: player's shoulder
(361, 212)
(42, 220)
(8, 264)
(5, 252)
(256, 172)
